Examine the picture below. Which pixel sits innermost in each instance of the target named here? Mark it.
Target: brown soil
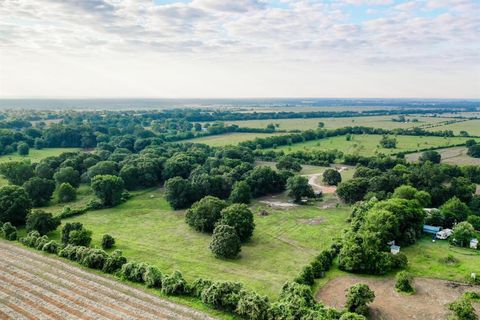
(428, 303)
(312, 221)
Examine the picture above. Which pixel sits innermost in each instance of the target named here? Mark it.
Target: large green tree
(41, 221)
(67, 175)
(39, 190)
(204, 214)
(225, 242)
(240, 217)
(14, 205)
(108, 188)
(298, 188)
(17, 172)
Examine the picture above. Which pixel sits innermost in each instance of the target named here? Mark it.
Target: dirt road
(35, 286)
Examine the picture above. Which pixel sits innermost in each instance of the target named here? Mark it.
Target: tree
(404, 282)
(265, 180)
(14, 205)
(23, 149)
(16, 172)
(358, 297)
(454, 211)
(9, 232)
(430, 155)
(205, 213)
(41, 221)
(463, 233)
(252, 306)
(108, 188)
(107, 241)
(178, 192)
(39, 190)
(474, 151)
(474, 221)
(179, 165)
(388, 142)
(241, 193)
(463, 309)
(288, 163)
(353, 190)
(332, 177)
(298, 187)
(225, 242)
(80, 237)
(69, 227)
(240, 218)
(67, 175)
(66, 193)
(102, 168)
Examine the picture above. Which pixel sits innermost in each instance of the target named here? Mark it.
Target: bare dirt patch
(428, 303)
(312, 221)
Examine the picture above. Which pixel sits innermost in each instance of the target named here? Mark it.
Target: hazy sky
(240, 48)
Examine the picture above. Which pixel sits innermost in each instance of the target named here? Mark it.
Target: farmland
(472, 127)
(229, 138)
(453, 155)
(368, 145)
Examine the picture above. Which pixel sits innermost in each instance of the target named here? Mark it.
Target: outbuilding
(474, 243)
(431, 229)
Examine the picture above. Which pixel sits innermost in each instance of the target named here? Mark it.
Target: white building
(474, 243)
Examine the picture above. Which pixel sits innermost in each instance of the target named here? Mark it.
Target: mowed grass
(36, 155)
(368, 145)
(147, 229)
(229, 138)
(425, 259)
(384, 122)
(470, 126)
(453, 155)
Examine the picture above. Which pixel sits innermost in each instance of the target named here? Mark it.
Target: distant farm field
(453, 155)
(472, 127)
(368, 145)
(229, 138)
(147, 229)
(36, 155)
(384, 122)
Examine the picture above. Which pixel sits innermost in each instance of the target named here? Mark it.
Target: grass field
(471, 126)
(334, 123)
(37, 155)
(146, 229)
(368, 145)
(454, 155)
(229, 138)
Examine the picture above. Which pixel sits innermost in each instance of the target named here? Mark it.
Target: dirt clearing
(428, 303)
(34, 286)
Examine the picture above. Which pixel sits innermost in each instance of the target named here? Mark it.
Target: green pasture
(36, 155)
(453, 155)
(472, 127)
(368, 145)
(229, 138)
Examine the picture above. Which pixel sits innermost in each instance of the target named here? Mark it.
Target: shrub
(66, 193)
(198, 286)
(241, 193)
(225, 242)
(252, 306)
(133, 271)
(463, 309)
(153, 277)
(30, 239)
(40, 242)
(358, 297)
(398, 261)
(321, 263)
(222, 295)
(23, 149)
(240, 218)
(41, 221)
(94, 259)
(51, 246)
(205, 213)
(80, 237)
(352, 316)
(67, 228)
(8, 231)
(68, 252)
(306, 277)
(174, 284)
(404, 282)
(107, 241)
(463, 233)
(80, 253)
(114, 262)
(332, 177)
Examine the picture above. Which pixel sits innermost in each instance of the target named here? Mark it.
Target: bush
(174, 284)
(205, 213)
(306, 277)
(114, 262)
(404, 282)
(80, 237)
(133, 271)
(8, 231)
(463, 233)
(222, 295)
(107, 241)
(41, 221)
(23, 149)
(30, 239)
(322, 263)
(463, 309)
(241, 193)
(66, 193)
(68, 252)
(51, 247)
(358, 297)
(94, 259)
(198, 286)
(153, 277)
(225, 242)
(40, 242)
(252, 306)
(67, 228)
(332, 177)
(352, 316)
(240, 218)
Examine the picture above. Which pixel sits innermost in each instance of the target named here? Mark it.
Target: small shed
(394, 249)
(431, 229)
(474, 243)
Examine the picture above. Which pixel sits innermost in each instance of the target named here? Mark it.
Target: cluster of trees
(473, 148)
(388, 142)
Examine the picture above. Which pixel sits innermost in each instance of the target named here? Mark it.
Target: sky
(240, 48)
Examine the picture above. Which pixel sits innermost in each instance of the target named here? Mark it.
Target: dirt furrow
(148, 299)
(19, 307)
(66, 293)
(9, 312)
(99, 296)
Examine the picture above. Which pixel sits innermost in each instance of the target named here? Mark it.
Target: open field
(34, 286)
(334, 123)
(428, 303)
(229, 138)
(368, 145)
(453, 155)
(147, 229)
(37, 155)
(470, 126)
